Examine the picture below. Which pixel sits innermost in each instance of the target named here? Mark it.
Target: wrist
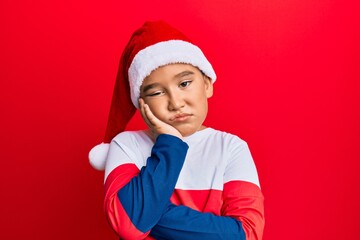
(167, 135)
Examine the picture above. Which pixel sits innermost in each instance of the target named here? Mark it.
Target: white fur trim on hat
(160, 54)
(98, 155)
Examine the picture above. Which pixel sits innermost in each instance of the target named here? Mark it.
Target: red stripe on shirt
(200, 200)
(245, 202)
(115, 213)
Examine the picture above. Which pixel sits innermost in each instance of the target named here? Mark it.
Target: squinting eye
(157, 93)
(185, 84)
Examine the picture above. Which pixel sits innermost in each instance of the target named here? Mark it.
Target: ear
(209, 89)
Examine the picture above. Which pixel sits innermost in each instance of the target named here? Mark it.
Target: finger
(141, 107)
(158, 126)
(143, 114)
(154, 121)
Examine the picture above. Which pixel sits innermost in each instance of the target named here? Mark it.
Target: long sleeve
(244, 201)
(242, 206)
(242, 196)
(242, 217)
(181, 222)
(135, 200)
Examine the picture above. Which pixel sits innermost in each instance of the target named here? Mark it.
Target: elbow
(130, 233)
(121, 223)
(253, 229)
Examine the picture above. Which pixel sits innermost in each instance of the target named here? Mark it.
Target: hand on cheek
(156, 126)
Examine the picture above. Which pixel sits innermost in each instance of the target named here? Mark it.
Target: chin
(187, 131)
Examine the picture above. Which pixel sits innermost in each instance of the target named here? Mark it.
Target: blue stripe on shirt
(146, 197)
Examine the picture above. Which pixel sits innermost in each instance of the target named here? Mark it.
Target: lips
(180, 117)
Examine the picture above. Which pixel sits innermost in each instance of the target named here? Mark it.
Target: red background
(288, 83)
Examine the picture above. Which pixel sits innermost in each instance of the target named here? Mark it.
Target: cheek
(200, 99)
(202, 105)
(158, 109)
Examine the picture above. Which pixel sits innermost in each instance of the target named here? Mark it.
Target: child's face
(177, 95)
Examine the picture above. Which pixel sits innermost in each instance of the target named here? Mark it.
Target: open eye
(185, 83)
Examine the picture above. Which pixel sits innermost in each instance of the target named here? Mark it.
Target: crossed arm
(137, 203)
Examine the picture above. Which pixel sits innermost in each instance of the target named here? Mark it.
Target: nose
(176, 101)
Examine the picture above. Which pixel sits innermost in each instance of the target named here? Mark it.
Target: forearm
(134, 204)
(181, 222)
(242, 217)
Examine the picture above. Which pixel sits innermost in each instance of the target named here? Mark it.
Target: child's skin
(173, 100)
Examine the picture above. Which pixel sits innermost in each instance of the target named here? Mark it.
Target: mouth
(180, 117)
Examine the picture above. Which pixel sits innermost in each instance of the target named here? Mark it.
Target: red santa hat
(154, 45)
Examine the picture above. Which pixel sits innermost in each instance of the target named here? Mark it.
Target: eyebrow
(148, 87)
(179, 75)
(183, 74)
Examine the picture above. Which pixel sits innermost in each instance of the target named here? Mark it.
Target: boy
(179, 179)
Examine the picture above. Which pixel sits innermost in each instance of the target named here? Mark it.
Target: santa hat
(154, 45)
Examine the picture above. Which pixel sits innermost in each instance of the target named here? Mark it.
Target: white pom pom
(97, 156)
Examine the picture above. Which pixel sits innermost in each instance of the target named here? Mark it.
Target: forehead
(170, 72)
